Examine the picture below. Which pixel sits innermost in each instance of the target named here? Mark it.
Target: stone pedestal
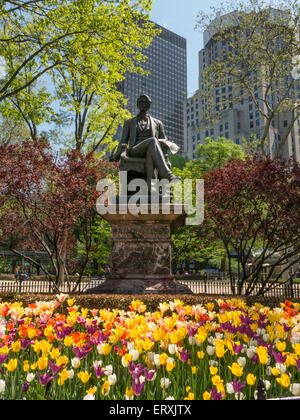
(141, 252)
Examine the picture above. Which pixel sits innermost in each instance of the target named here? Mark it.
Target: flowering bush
(212, 351)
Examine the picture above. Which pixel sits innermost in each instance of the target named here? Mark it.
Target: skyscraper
(166, 84)
(237, 120)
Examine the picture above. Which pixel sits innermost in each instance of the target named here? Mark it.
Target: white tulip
(135, 354)
(165, 383)
(295, 389)
(172, 348)
(89, 397)
(112, 379)
(75, 362)
(2, 386)
(108, 370)
(210, 350)
(30, 377)
(242, 361)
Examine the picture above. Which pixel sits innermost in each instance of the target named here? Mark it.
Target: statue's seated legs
(151, 150)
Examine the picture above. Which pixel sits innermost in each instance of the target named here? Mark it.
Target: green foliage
(100, 247)
(84, 48)
(214, 154)
(178, 161)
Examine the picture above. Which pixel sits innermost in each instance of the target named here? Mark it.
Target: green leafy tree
(70, 56)
(213, 154)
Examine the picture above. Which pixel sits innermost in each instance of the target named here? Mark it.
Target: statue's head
(144, 102)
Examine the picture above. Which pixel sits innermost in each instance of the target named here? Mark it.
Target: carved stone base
(140, 261)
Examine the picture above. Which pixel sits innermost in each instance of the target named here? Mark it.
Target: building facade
(236, 120)
(166, 84)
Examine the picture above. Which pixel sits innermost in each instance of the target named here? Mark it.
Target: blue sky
(179, 16)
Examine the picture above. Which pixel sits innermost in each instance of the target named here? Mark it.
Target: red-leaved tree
(44, 200)
(253, 206)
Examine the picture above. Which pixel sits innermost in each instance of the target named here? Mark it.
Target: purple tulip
(149, 374)
(238, 385)
(279, 358)
(3, 357)
(54, 368)
(45, 379)
(98, 371)
(82, 352)
(25, 387)
(237, 348)
(137, 386)
(184, 355)
(215, 395)
(63, 332)
(25, 343)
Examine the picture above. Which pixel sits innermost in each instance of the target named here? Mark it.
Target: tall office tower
(236, 119)
(166, 84)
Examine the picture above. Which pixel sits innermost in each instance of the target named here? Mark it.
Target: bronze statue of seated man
(144, 137)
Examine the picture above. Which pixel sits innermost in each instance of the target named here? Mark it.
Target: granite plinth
(141, 256)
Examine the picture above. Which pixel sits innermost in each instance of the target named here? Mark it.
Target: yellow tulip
(62, 360)
(55, 353)
(206, 396)
(11, 366)
(284, 380)
(16, 346)
(170, 366)
(201, 335)
(45, 347)
(210, 306)
(31, 333)
(220, 349)
(216, 380)
(48, 330)
(71, 302)
(296, 348)
(163, 359)
(4, 350)
(281, 345)
(106, 349)
(200, 354)
(42, 363)
(275, 371)
(262, 353)
(68, 341)
(92, 390)
(84, 376)
(251, 379)
(194, 370)
(213, 370)
(105, 388)
(25, 366)
(129, 392)
(190, 396)
(236, 369)
(63, 376)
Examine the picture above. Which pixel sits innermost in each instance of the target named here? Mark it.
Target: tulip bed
(58, 350)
